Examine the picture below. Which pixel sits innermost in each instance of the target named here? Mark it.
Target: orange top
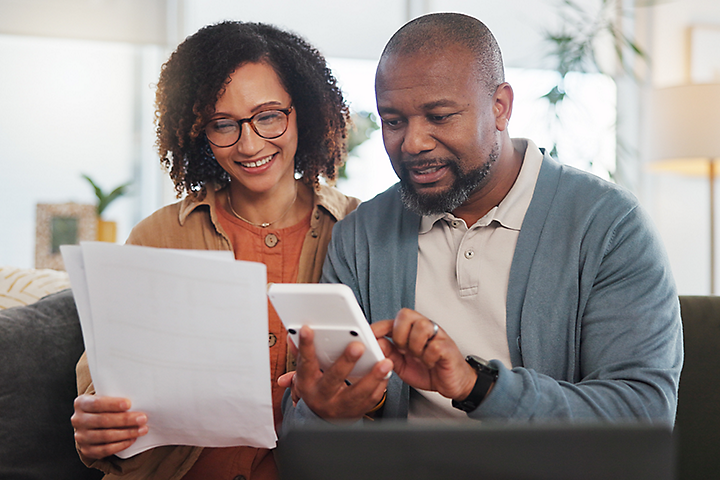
(279, 250)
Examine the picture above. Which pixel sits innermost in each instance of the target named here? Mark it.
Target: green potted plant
(585, 30)
(106, 230)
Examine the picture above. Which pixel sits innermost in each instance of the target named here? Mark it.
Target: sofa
(697, 425)
(39, 347)
(41, 343)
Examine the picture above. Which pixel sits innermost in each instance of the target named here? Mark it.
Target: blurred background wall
(77, 90)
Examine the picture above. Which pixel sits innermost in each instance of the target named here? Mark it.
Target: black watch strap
(486, 376)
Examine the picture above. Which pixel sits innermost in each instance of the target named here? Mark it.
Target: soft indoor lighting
(684, 129)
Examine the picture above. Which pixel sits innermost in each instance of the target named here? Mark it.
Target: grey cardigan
(593, 319)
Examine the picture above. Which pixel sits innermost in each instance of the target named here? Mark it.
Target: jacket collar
(190, 203)
(326, 197)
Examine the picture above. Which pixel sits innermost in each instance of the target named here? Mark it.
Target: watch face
(486, 377)
(475, 359)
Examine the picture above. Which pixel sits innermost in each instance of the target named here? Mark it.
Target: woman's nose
(250, 142)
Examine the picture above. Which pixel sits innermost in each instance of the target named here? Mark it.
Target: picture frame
(61, 224)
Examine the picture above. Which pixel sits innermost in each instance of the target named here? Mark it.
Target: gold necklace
(264, 224)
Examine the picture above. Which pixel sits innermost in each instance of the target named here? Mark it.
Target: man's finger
(423, 334)
(403, 325)
(387, 347)
(383, 328)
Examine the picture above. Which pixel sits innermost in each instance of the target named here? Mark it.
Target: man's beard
(447, 201)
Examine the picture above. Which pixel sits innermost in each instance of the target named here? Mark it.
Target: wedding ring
(435, 330)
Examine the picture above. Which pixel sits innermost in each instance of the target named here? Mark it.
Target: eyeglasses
(225, 132)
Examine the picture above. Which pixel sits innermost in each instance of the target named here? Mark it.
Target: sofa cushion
(39, 347)
(23, 286)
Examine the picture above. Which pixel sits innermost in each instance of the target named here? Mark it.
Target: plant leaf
(112, 196)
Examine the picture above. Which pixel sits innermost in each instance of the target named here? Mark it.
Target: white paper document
(184, 335)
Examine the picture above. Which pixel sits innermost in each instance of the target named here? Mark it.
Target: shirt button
(272, 339)
(469, 254)
(313, 234)
(317, 214)
(455, 223)
(271, 240)
(239, 477)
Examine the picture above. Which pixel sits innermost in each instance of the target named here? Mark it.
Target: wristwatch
(486, 376)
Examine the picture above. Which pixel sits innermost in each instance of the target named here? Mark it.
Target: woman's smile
(257, 163)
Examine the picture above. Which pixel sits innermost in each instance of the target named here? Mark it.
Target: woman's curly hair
(195, 76)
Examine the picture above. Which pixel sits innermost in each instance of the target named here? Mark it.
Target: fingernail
(385, 366)
(141, 419)
(143, 430)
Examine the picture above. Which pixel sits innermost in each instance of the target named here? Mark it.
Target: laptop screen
(400, 450)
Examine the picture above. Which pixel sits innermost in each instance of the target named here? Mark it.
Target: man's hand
(423, 358)
(326, 393)
(105, 426)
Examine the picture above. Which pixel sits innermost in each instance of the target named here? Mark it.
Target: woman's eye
(268, 118)
(224, 126)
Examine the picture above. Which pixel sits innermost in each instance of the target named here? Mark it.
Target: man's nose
(418, 138)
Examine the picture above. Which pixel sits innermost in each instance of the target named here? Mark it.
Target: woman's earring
(209, 152)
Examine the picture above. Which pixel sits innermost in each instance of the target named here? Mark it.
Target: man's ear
(502, 105)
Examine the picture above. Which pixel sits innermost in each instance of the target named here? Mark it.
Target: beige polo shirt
(462, 277)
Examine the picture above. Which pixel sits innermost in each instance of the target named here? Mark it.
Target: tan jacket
(191, 224)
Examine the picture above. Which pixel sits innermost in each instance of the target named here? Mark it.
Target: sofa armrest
(39, 347)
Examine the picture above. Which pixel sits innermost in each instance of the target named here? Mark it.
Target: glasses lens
(223, 132)
(270, 124)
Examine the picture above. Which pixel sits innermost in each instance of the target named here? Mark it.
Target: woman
(249, 117)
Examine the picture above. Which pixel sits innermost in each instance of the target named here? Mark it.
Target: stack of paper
(183, 335)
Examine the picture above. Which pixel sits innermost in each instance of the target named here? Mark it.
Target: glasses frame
(249, 120)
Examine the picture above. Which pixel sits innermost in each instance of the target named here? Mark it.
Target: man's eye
(392, 122)
(440, 118)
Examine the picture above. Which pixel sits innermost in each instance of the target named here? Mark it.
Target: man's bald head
(434, 33)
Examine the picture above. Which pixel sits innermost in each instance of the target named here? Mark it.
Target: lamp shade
(684, 128)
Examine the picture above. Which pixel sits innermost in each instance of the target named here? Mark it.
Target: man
(488, 248)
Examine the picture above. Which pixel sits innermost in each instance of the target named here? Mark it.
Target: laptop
(401, 450)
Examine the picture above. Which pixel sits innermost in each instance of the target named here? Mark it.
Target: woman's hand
(104, 426)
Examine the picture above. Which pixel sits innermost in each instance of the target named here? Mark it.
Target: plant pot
(106, 231)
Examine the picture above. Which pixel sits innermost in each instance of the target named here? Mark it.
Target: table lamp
(684, 127)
